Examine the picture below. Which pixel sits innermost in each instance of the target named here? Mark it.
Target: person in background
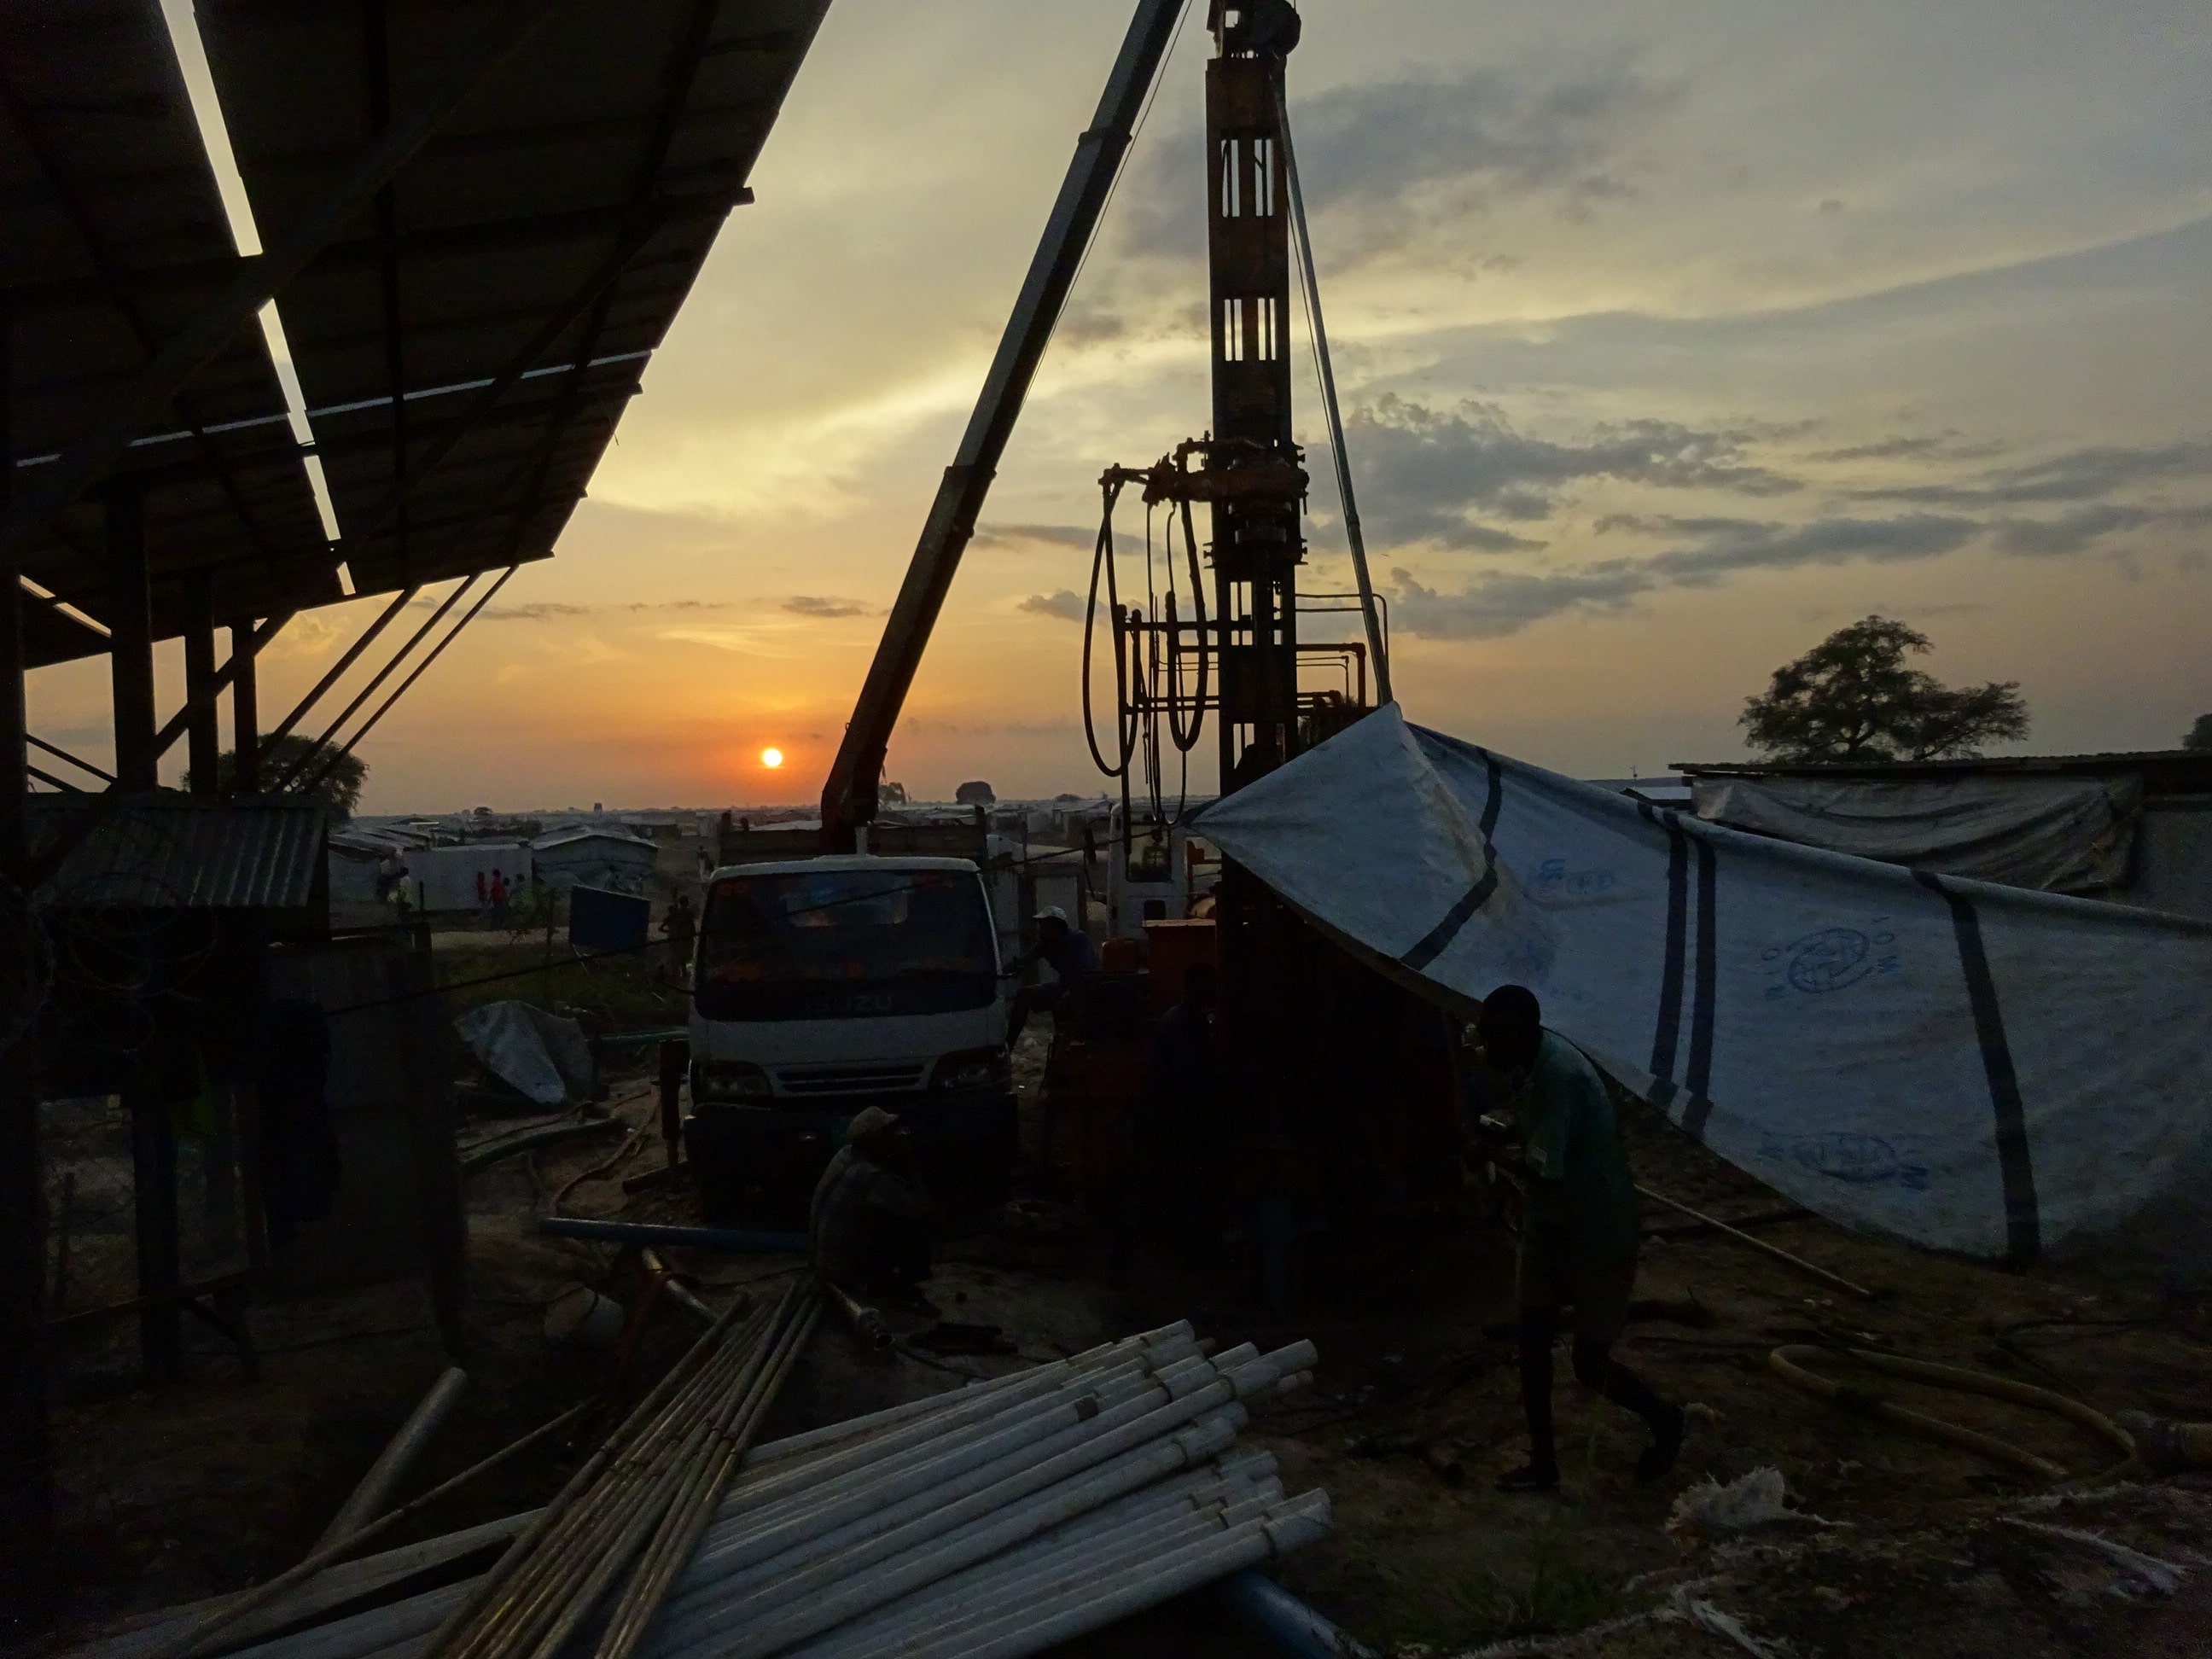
(1580, 1229)
(483, 893)
(1177, 1133)
(499, 896)
(1068, 952)
(868, 1227)
(680, 925)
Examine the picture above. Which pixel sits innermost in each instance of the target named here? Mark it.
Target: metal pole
(180, 722)
(203, 735)
(244, 714)
(1327, 372)
(300, 768)
(849, 798)
(150, 391)
(399, 603)
(384, 707)
(130, 644)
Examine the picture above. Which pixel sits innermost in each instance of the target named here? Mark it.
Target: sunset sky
(1670, 340)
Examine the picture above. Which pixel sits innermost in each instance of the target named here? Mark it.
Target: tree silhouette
(2200, 735)
(340, 788)
(1852, 697)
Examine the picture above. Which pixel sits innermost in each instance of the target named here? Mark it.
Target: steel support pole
(131, 641)
(150, 391)
(26, 1449)
(202, 731)
(849, 798)
(154, 1207)
(244, 714)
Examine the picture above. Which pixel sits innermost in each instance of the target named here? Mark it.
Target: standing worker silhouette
(1579, 1231)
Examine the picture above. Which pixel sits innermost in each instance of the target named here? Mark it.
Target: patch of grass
(1554, 1595)
(614, 993)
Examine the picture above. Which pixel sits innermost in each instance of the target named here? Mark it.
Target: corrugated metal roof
(167, 852)
(553, 838)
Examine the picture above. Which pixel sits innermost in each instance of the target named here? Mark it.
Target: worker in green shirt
(1579, 1231)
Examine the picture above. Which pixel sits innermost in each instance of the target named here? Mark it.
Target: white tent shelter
(1971, 1066)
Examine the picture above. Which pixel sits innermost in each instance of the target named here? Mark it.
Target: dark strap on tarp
(1438, 939)
(2023, 1217)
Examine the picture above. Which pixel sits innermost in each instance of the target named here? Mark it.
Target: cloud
(1946, 445)
(807, 605)
(1497, 603)
(541, 611)
(1430, 471)
(2074, 531)
(1388, 160)
(1068, 606)
(1018, 535)
(1505, 602)
(2080, 475)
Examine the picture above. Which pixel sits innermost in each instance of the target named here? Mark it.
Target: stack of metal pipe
(638, 1507)
(995, 1521)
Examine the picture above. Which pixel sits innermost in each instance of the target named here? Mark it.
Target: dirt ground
(182, 1491)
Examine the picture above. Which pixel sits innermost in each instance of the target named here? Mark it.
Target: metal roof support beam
(330, 675)
(15, 713)
(369, 725)
(203, 700)
(151, 392)
(299, 768)
(245, 711)
(203, 736)
(130, 643)
(62, 754)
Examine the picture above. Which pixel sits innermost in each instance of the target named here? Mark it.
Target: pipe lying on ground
(731, 1241)
(374, 1495)
(1288, 1623)
(867, 1322)
(1764, 1248)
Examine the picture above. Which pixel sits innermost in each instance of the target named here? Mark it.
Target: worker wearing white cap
(868, 1228)
(1066, 951)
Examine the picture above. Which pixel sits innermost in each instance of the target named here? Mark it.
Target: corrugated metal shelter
(166, 852)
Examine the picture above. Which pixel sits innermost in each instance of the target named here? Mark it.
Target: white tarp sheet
(2061, 834)
(544, 1055)
(1974, 1068)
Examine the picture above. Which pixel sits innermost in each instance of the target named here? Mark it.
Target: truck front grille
(851, 1080)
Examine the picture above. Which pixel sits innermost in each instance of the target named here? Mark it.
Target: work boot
(1530, 1477)
(1666, 1445)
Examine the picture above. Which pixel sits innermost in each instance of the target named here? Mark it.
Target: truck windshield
(845, 943)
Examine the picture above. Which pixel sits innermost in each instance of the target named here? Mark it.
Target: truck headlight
(729, 1079)
(973, 1069)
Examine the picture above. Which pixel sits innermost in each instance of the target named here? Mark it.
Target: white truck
(821, 986)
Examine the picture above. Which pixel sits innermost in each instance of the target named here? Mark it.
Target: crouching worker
(1579, 1229)
(868, 1228)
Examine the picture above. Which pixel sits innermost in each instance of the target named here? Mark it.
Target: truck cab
(822, 986)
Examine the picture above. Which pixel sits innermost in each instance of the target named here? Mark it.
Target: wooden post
(131, 648)
(245, 714)
(27, 1501)
(203, 736)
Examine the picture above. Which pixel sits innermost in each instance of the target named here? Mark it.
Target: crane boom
(849, 797)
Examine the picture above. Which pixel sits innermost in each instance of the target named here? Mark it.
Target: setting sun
(771, 758)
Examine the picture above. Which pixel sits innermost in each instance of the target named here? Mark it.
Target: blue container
(600, 921)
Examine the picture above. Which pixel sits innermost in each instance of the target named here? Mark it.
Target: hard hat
(1050, 913)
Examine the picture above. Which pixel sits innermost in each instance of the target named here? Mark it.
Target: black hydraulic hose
(1187, 741)
(1125, 727)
